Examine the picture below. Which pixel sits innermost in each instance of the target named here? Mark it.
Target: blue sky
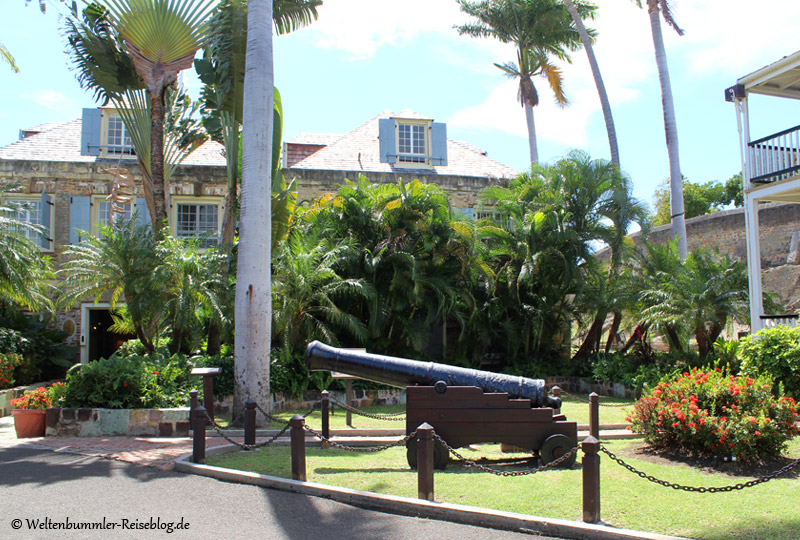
(365, 56)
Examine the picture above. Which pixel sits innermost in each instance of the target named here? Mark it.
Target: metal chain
(387, 416)
(275, 418)
(564, 392)
(243, 446)
(664, 483)
(363, 449)
(471, 463)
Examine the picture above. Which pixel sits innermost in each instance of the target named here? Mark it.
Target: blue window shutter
(439, 143)
(142, 212)
(90, 132)
(46, 237)
(80, 217)
(469, 212)
(386, 136)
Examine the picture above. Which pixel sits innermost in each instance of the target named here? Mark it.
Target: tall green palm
(586, 39)
(25, 275)
(539, 29)
(253, 310)
(161, 38)
(655, 10)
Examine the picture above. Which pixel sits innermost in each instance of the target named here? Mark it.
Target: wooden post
(425, 444)
(208, 375)
(199, 421)
(192, 401)
(325, 409)
(298, 438)
(591, 480)
(556, 390)
(594, 415)
(250, 422)
(348, 398)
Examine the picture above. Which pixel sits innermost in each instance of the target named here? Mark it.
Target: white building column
(753, 262)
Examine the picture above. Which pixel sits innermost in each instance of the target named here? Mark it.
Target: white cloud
(361, 27)
(49, 99)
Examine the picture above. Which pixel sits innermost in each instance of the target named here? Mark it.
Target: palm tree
(24, 274)
(586, 39)
(121, 263)
(656, 9)
(253, 312)
(539, 29)
(161, 39)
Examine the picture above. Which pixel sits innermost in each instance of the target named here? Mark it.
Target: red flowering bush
(710, 413)
(38, 398)
(8, 363)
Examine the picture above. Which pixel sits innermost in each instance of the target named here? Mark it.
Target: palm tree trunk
(612, 332)
(671, 129)
(598, 81)
(253, 311)
(531, 133)
(158, 211)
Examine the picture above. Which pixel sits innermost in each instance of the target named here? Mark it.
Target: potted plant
(29, 413)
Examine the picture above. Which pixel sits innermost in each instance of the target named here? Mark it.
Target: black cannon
(465, 406)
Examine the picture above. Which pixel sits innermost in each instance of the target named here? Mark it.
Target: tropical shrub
(8, 364)
(775, 351)
(708, 413)
(42, 347)
(130, 382)
(38, 398)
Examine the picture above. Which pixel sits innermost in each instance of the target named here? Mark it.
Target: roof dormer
(412, 142)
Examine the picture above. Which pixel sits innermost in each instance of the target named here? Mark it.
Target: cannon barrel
(402, 372)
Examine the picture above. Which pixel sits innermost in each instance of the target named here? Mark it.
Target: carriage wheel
(556, 446)
(441, 456)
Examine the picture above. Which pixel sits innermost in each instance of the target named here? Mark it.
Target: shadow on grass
(760, 529)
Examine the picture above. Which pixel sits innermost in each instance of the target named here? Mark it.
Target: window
(38, 211)
(117, 139)
(101, 209)
(412, 143)
(193, 218)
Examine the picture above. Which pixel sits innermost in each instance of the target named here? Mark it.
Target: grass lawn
(575, 410)
(768, 511)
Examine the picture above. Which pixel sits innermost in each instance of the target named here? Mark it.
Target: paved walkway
(157, 452)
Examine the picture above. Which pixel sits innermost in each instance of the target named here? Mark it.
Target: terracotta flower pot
(29, 422)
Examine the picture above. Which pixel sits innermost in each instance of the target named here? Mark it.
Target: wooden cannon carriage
(464, 406)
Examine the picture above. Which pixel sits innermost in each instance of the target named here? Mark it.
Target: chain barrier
(220, 431)
(387, 416)
(565, 393)
(275, 418)
(472, 463)
(694, 489)
(362, 449)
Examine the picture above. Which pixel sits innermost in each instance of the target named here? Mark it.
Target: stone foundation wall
(125, 422)
(581, 385)
(223, 405)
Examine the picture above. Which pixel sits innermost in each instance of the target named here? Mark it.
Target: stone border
(456, 513)
(110, 422)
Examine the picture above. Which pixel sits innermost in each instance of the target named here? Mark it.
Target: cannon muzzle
(402, 372)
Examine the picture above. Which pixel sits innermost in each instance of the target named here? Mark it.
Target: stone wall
(461, 190)
(725, 231)
(124, 422)
(223, 405)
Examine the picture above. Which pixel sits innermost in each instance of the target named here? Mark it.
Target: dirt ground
(733, 469)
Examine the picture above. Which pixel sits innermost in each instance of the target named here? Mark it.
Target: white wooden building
(770, 167)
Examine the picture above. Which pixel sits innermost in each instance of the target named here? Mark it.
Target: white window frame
(99, 200)
(36, 198)
(108, 150)
(176, 201)
(413, 160)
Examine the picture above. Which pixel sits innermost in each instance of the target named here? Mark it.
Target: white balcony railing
(773, 321)
(774, 157)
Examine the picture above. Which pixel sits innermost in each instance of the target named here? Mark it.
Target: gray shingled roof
(61, 141)
(315, 138)
(359, 151)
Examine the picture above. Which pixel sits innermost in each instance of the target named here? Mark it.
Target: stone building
(60, 168)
